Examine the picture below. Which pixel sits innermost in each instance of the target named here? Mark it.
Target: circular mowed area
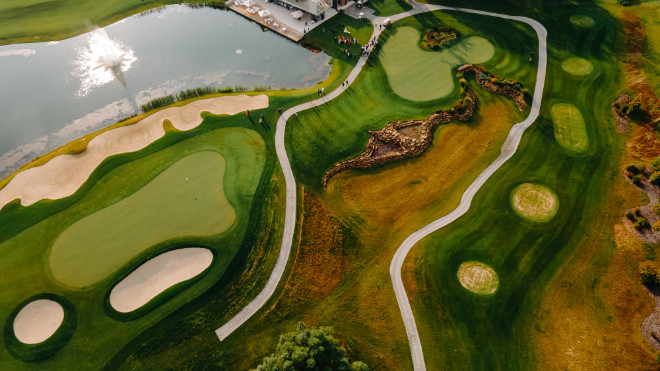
(569, 126)
(187, 199)
(478, 278)
(534, 202)
(577, 66)
(421, 75)
(583, 21)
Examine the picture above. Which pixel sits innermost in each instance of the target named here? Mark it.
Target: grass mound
(570, 129)
(478, 278)
(186, 199)
(420, 75)
(582, 21)
(534, 202)
(577, 66)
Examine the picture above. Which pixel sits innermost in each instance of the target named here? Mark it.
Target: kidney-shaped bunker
(157, 275)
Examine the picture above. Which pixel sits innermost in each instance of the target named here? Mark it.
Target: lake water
(52, 93)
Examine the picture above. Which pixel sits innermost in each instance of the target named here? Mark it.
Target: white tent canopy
(248, 3)
(297, 14)
(264, 13)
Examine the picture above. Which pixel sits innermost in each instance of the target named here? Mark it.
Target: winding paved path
(508, 149)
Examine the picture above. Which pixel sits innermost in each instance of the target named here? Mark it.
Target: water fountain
(111, 57)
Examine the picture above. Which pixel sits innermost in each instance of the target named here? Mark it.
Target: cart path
(508, 149)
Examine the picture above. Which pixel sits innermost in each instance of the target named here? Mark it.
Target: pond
(55, 92)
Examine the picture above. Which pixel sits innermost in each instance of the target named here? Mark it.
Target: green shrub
(638, 212)
(649, 248)
(655, 178)
(656, 226)
(633, 169)
(649, 273)
(637, 179)
(641, 223)
(630, 215)
(309, 349)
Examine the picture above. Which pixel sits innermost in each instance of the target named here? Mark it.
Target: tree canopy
(309, 349)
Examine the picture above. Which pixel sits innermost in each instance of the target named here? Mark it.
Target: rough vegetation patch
(534, 202)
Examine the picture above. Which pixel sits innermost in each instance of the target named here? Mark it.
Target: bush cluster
(309, 349)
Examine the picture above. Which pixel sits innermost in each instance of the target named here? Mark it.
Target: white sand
(157, 275)
(38, 321)
(63, 175)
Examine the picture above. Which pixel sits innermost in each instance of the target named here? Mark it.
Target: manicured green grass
(534, 202)
(186, 199)
(27, 269)
(577, 66)
(570, 129)
(421, 75)
(360, 29)
(22, 21)
(388, 7)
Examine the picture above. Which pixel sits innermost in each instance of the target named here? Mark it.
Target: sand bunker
(478, 277)
(534, 202)
(582, 21)
(577, 66)
(38, 321)
(62, 176)
(157, 275)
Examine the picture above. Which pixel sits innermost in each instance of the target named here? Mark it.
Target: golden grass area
(534, 202)
(319, 261)
(591, 314)
(478, 277)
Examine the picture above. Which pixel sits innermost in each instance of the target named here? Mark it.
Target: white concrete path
(508, 149)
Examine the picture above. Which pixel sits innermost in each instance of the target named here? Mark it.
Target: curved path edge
(508, 149)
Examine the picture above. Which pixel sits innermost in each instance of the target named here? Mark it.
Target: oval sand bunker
(157, 275)
(577, 66)
(534, 202)
(478, 277)
(38, 321)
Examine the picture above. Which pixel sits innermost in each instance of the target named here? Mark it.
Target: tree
(309, 349)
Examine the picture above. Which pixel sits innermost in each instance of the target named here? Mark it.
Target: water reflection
(102, 61)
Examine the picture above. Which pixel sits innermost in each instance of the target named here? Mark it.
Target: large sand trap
(38, 321)
(478, 277)
(62, 176)
(157, 275)
(534, 202)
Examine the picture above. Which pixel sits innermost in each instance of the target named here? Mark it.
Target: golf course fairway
(420, 75)
(186, 199)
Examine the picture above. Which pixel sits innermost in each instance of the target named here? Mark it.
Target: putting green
(581, 20)
(478, 277)
(577, 66)
(570, 129)
(187, 199)
(420, 75)
(534, 202)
